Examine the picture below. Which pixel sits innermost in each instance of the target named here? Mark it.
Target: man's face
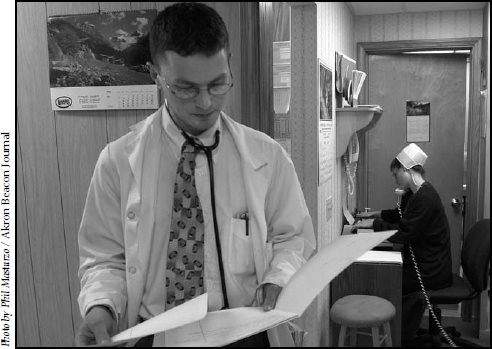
(197, 114)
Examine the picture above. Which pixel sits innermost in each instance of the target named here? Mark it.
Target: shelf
(351, 120)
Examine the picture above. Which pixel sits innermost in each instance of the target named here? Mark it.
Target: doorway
(475, 145)
(437, 82)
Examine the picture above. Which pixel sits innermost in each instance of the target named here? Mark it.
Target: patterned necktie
(184, 271)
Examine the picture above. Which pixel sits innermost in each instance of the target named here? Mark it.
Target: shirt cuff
(107, 305)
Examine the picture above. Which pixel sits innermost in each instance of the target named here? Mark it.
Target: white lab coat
(116, 227)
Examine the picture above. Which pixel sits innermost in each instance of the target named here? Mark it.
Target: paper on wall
(227, 326)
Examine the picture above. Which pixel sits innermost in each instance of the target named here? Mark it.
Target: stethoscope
(208, 153)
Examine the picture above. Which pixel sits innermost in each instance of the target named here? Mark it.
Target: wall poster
(418, 121)
(325, 94)
(98, 61)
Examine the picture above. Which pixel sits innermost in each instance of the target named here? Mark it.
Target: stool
(355, 311)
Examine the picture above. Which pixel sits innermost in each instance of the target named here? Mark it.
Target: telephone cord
(427, 301)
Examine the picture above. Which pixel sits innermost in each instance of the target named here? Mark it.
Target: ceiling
(379, 8)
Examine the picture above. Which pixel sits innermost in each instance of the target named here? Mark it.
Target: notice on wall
(99, 61)
(418, 121)
(286, 144)
(281, 77)
(324, 154)
(325, 91)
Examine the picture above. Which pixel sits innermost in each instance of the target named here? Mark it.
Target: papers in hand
(223, 327)
(191, 311)
(190, 328)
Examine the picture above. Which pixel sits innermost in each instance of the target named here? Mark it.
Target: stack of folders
(358, 78)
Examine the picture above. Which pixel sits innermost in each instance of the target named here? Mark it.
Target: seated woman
(423, 229)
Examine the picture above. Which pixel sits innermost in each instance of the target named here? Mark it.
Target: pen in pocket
(245, 216)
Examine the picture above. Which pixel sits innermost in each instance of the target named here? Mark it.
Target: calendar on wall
(105, 97)
(99, 61)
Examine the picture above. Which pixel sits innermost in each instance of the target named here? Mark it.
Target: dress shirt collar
(174, 132)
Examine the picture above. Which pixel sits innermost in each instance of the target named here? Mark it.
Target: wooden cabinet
(370, 278)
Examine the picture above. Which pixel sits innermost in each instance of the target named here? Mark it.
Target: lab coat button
(132, 270)
(131, 215)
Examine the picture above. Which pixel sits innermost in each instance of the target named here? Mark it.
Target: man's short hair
(187, 29)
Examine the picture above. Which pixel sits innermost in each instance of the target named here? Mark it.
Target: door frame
(475, 180)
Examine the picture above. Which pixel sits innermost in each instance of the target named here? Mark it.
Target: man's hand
(97, 327)
(266, 296)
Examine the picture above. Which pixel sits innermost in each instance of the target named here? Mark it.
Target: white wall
(317, 31)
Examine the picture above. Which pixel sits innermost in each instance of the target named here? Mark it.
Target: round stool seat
(362, 311)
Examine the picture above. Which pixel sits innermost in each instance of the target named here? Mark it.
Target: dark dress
(424, 225)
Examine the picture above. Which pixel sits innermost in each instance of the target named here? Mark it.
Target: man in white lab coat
(254, 203)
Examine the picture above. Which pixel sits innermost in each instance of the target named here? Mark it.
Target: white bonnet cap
(411, 156)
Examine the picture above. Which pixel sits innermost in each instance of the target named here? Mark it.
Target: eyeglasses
(193, 91)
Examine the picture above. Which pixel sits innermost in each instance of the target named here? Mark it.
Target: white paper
(418, 128)
(348, 216)
(281, 52)
(223, 327)
(323, 267)
(188, 312)
(325, 156)
(358, 78)
(381, 257)
(281, 76)
(227, 326)
(281, 100)
(189, 324)
(347, 229)
(364, 230)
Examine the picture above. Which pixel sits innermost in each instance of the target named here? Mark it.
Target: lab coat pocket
(241, 248)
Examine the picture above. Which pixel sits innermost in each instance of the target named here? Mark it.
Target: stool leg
(387, 332)
(353, 337)
(341, 336)
(375, 336)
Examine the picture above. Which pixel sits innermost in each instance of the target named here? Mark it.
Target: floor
(466, 330)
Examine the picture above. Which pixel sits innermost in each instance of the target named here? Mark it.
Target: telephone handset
(399, 192)
(350, 158)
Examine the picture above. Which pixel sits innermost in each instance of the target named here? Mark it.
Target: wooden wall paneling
(81, 135)
(27, 313)
(41, 177)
